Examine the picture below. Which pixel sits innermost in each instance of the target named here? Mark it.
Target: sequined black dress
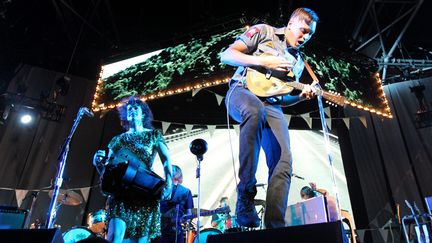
(142, 217)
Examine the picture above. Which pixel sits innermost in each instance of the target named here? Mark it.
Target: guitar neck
(206, 213)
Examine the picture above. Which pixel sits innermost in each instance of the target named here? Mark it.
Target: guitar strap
(309, 69)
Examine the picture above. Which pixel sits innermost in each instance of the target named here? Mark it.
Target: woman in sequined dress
(136, 220)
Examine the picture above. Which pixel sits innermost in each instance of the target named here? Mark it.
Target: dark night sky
(45, 33)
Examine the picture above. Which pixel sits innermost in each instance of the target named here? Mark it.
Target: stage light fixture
(26, 118)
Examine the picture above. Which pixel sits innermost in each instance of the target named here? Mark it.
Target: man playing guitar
(262, 122)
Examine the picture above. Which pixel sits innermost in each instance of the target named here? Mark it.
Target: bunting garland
(211, 129)
(20, 194)
(307, 119)
(165, 126)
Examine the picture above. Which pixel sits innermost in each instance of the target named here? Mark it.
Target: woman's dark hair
(307, 191)
(132, 100)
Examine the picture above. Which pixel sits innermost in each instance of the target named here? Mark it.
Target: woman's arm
(162, 150)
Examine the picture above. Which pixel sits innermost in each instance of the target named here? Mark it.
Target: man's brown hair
(306, 14)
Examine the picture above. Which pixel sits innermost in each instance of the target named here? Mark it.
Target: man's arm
(236, 55)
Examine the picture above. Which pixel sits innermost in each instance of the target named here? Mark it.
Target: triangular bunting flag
(85, 193)
(363, 121)
(384, 234)
(20, 195)
(328, 122)
(307, 119)
(288, 118)
(188, 128)
(211, 129)
(219, 98)
(237, 129)
(327, 111)
(347, 122)
(195, 91)
(165, 126)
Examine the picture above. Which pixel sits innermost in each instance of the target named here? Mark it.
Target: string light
(96, 106)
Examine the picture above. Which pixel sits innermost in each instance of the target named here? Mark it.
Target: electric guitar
(272, 84)
(207, 213)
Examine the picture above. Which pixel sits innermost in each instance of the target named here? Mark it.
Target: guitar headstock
(334, 98)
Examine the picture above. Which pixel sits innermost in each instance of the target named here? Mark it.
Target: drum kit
(232, 227)
(96, 221)
(97, 225)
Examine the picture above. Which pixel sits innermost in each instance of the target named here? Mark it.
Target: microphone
(301, 178)
(416, 208)
(87, 111)
(198, 147)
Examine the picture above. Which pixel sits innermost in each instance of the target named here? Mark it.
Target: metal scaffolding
(379, 33)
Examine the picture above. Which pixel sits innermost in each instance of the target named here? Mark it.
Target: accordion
(129, 181)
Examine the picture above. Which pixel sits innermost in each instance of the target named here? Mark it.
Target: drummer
(223, 221)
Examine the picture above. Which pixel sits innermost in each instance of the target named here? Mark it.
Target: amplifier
(12, 217)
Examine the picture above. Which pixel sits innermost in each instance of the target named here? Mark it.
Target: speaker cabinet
(311, 233)
(31, 235)
(12, 217)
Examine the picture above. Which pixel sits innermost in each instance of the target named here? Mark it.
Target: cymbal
(67, 197)
(259, 202)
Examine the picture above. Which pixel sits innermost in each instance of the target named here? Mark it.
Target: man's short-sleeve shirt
(263, 38)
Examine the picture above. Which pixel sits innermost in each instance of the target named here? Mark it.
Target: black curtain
(391, 158)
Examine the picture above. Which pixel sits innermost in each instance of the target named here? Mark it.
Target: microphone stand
(198, 176)
(62, 162)
(329, 156)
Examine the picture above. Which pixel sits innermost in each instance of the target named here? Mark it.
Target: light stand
(198, 147)
(62, 162)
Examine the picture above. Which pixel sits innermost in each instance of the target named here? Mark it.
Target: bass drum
(76, 234)
(205, 233)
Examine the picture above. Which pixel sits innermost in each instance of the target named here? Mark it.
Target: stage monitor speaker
(31, 235)
(312, 233)
(12, 217)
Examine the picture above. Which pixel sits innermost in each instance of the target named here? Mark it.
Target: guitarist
(262, 122)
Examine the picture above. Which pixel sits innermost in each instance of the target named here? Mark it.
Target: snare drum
(205, 233)
(97, 221)
(76, 234)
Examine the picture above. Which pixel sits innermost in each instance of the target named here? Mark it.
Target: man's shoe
(247, 215)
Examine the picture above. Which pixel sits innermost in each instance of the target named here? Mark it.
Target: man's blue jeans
(262, 125)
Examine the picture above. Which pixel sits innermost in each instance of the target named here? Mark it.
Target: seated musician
(312, 191)
(136, 220)
(172, 210)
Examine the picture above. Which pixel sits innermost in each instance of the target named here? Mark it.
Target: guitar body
(265, 85)
(268, 84)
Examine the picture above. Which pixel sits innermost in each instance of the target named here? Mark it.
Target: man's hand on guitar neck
(308, 91)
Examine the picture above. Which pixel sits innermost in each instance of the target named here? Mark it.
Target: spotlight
(26, 118)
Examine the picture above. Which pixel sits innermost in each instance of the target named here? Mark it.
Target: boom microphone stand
(62, 162)
(198, 147)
